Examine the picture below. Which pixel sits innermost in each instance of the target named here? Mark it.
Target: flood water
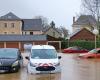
(73, 68)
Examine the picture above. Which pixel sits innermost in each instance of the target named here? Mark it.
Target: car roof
(42, 47)
(7, 49)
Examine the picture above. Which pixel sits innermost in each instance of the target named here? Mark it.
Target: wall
(9, 29)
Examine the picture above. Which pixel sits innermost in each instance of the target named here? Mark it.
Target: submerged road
(73, 68)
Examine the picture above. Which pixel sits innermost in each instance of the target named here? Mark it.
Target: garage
(12, 44)
(1, 45)
(18, 41)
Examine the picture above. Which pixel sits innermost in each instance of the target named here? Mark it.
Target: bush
(84, 44)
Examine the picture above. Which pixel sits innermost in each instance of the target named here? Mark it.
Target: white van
(43, 58)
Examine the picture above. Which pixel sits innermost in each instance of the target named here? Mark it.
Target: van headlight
(33, 65)
(57, 64)
(15, 63)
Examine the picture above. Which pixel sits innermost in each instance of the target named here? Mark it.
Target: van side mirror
(59, 57)
(27, 57)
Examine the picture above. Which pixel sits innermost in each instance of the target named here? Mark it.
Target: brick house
(82, 34)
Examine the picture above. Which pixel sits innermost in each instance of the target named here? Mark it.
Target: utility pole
(97, 15)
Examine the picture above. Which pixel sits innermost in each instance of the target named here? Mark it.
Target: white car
(43, 59)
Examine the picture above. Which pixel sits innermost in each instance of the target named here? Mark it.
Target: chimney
(73, 19)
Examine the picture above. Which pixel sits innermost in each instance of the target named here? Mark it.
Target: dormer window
(9, 17)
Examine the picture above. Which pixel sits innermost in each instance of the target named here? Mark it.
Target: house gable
(83, 34)
(9, 16)
(52, 32)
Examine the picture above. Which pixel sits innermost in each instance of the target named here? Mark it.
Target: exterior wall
(34, 32)
(77, 27)
(20, 45)
(9, 29)
(53, 33)
(12, 44)
(83, 35)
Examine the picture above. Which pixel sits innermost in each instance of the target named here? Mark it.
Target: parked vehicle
(43, 59)
(10, 60)
(95, 53)
(75, 50)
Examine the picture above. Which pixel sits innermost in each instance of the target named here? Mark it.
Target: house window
(5, 32)
(12, 32)
(53, 34)
(12, 25)
(22, 33)
(9, 17)
(5, 25)
(25, 33)
(31, 33)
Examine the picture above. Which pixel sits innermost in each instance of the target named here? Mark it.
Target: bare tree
(44, 20)
(64, 31)
(93, 8)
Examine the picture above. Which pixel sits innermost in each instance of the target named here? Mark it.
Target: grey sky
(60, 11)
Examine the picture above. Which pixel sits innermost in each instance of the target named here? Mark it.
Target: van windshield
(4, 53)
(44, 54)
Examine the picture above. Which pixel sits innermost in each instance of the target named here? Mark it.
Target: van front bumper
(40, 69)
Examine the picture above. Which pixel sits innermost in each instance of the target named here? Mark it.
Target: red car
(74, 50)
(95, 53)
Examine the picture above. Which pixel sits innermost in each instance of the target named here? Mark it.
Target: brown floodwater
(73, 68)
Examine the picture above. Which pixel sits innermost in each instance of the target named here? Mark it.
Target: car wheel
(90, 57)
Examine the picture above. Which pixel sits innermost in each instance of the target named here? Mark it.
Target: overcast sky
(60, 11)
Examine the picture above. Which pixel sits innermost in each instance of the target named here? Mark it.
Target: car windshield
(44, 54)
(93, 51)
(8, 53)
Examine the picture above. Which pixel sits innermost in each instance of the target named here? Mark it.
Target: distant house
(82, 34)
(84, 21)
(52, 31)
(16, 32)
(32, 26)
(11, 24)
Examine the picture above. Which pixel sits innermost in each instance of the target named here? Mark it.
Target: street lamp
(95, 31)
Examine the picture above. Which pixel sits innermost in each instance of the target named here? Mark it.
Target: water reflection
(45, 77)
(80, 69)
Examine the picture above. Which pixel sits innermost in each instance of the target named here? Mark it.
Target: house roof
(23, 37)
(9, 16)
(77, 31)
(85, 19)
(32, 24)
(47, 28)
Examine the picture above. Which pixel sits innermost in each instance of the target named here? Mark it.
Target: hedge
(84, 44)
